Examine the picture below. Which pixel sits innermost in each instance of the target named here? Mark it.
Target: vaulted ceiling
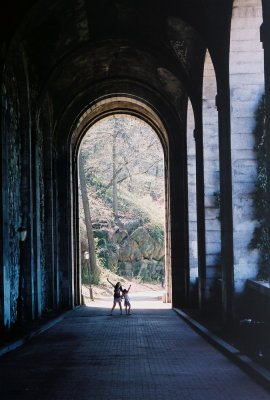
(72, 44)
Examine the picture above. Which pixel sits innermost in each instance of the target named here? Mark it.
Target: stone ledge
(260, 286)
(254, 370)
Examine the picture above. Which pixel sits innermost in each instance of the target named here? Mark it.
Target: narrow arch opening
(213, 275)
(122, 208)
(192, 205)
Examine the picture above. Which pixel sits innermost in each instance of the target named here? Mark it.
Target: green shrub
(93, 278)
(260, 239)
(156, 232)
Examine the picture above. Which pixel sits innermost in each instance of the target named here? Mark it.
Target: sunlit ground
(141, 299)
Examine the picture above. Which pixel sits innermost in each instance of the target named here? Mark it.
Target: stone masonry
(247, 87)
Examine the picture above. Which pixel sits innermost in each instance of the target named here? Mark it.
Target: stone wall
(23, 195)
(211, 177)
(247, 86)
(41, 270)
(46, 205)
(12, 176)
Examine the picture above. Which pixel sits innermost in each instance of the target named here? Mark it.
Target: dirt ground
(105, 289)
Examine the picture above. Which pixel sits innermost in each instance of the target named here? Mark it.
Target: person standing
(127, 300)
(117, 295)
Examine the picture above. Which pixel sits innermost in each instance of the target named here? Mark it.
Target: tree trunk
(87, 216)
(114, 177)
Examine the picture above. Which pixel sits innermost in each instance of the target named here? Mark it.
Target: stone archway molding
(123, 104)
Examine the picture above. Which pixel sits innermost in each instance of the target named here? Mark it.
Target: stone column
(28, 212)
(198, 135)
(178, 220)
(64, 219)
(38, 289)
(223, 106)
(51, 287)
(27, 206)
(76, 233)
(49, 225)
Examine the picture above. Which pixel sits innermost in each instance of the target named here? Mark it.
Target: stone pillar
(178, 220)
(75, 232)
(223, 106)
(168, 270)
(27, 220)
(27, 209)
(49, 225)
(64, 220)
(56, 272)
(38, 289)
(198, 135)
(51, 279)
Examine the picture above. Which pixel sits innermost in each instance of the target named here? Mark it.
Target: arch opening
(213, 269)
(141, 213)
(192, 205)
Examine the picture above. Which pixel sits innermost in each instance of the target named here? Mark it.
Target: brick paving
(151, 354)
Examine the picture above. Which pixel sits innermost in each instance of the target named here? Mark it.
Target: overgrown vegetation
(89, 277)
(260, 238)
(156, 231)
(124, 174)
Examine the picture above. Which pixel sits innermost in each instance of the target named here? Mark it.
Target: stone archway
(75, 59)
(158, 115)
(130, 106)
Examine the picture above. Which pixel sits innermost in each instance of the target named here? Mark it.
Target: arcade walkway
(151, 355)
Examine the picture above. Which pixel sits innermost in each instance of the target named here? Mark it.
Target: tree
(88, 221)
(124, 153)
(114, 168)
(124, 176)
(260, 238)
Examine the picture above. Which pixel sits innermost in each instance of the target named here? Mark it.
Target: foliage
(151, 275)
(102, 249)
(156, 232)
(89, 277)
(138, 156)
(96, 181)
(105, 249)
(134, 225)
(146, 276)
(260, 238)
(124, 164)
(103, 256)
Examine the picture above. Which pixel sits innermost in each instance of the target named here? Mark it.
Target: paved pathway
(151, 354)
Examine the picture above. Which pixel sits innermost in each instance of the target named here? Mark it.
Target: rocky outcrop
(131, 249)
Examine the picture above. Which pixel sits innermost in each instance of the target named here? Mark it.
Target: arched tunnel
(194, 71)
(63, 62)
